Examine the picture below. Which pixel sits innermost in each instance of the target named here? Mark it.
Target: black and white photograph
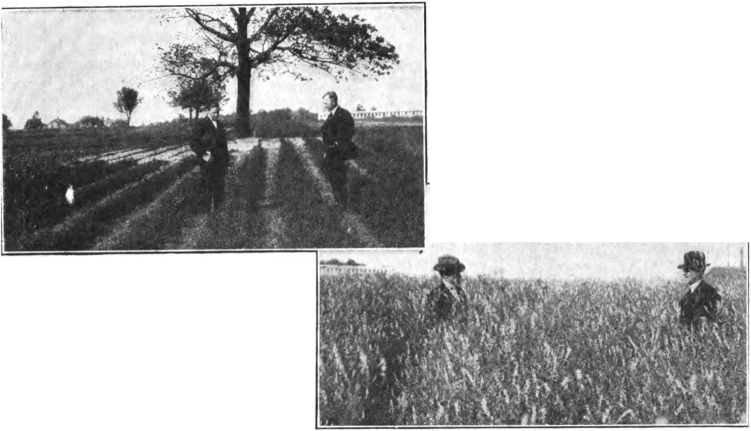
(214, 128)
(374, 215)
(534, 334)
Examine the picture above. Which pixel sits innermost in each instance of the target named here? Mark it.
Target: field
(531, 353)
(140, 189)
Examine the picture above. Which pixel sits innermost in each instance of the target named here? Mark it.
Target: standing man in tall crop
(337, 132)
(701, 299)
(448, 300)
(210, 145)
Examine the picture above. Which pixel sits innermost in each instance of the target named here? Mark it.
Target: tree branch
(202, 20)
(255, 36)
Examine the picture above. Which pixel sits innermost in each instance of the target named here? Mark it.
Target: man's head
(450, 269)
(330, 100)
(693, 266)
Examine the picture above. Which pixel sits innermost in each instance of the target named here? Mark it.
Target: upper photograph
(221, 128)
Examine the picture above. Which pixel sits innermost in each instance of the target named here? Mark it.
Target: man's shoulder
(706, 287)
(343, 112)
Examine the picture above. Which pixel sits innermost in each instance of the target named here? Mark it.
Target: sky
(551, 260)
(69, 63)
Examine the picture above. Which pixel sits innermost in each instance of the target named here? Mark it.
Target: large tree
(7, 124)
(279, 39)
(127, 100)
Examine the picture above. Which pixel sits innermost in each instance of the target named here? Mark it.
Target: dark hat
(448, 263)
(694, 261)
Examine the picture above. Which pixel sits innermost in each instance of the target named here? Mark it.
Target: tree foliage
(7, 124)
(360, 108)
(91, 121)
(34, 123)
(349, 262)
(127, 100)
(279, 40)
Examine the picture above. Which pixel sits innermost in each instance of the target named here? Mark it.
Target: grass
(100, 218)
(580, 352)
(391, 197)
(38, 167)
(238, 225)
(311, 222)
(165, 219)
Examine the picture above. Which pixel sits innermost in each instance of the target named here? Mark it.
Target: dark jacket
(208, 138)
(702, 302)
(336, 131)
(444, 306)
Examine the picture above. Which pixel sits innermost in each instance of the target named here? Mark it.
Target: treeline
(350, 262)
(281, 123)
(277, 123)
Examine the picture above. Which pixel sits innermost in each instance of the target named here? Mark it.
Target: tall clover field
(530, 353)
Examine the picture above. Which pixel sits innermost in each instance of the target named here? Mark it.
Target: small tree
(127, 100)
(373, 109)
(360, 108)
(6, 123)
(197, 95)
(91, 121)
(34, 123)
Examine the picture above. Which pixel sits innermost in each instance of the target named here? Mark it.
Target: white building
(57, 123)
(378, 114)
(350, 269)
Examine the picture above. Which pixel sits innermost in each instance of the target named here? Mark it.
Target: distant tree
(277, 38)
(373, 109)
(303, 114)
(34, 123)
(118, 124)
(197, 95)
(127, 100)
(6, 122)
(91, 121)
(360, 108)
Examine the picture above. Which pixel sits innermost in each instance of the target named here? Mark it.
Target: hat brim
(683, 265)
(457, 268)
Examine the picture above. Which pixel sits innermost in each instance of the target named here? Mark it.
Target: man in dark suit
(701, 299)
(210, 145)
(337, 131)
(447, 300)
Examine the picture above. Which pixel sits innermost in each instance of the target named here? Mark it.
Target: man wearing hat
(210, 145)
(701, 299)
(447, 299)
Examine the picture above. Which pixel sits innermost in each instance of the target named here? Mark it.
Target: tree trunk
(243, 76)
(190, 115)
(129, 118)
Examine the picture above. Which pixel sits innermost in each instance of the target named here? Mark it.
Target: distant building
(350, 269)
(57, 123)
(377, 114)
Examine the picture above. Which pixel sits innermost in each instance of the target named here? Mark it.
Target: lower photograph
(499, 334)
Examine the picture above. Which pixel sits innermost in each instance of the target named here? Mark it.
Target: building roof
(58, 120)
